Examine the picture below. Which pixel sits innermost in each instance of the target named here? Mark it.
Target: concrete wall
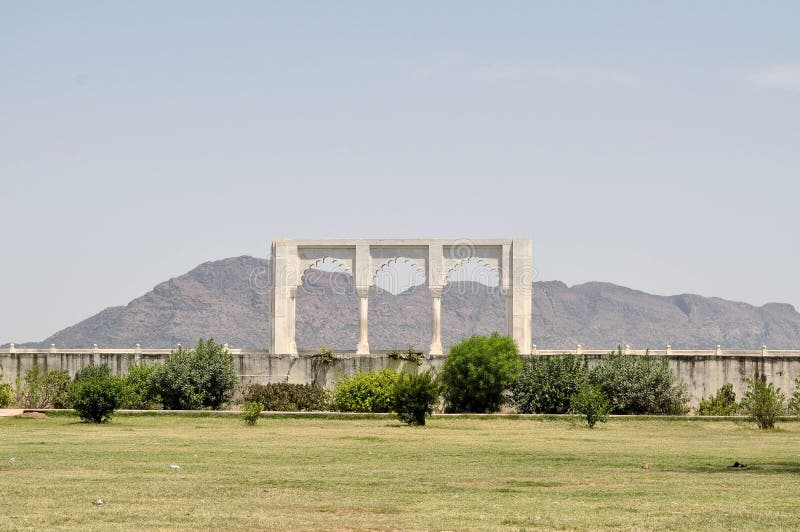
(703, 371)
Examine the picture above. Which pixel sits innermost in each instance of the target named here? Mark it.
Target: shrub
(639, 385)
(409, 355)
(325, 356)
(365, 392)
(39, 389)
(592, 403)
(251, 412)
(794, 402)
(203, 377)
(287, 397)
(137, 388)
(96, 393)
(762, 403)
(6, 393)
(477, 372)
(547, 384)
(722, 403)
(415, 394)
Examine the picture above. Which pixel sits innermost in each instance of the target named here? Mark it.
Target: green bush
(722, 403)
(325, 356)
(199, 378)
(409, 355)
(96, 393)
(762, 403)
(478, 371)
(415, 395)
(6, 393)
(40, 389)
(639, 385)
(251, 412)
(592, 403)
(547, 384)
(365, 392)
(286, 397)
(138, 392)
(794, 402)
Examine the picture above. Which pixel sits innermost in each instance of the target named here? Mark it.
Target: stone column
(292, 319)
(521, 293)
(436, 322)
(509, 304)
(363, 316)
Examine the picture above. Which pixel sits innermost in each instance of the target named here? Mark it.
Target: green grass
(456, 473)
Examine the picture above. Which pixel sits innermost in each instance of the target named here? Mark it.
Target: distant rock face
(229, 301)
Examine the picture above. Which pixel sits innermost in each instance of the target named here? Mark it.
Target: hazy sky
(650, 144)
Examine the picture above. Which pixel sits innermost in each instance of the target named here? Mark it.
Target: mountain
(229, 301)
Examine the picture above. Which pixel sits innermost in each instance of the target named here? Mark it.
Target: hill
(224, 299)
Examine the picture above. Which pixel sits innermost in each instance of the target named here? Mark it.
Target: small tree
(137, 388)
(794, 402)
(251, 412)
(547, 384)
(6, 393)
(96, 393)
(592, 403)
(415, 395)
(40, 389)
(478, 371)
(722, 403)
(203, 377)
(762, 403)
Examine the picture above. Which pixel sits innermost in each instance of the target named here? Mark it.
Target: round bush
(415, 394)
(95, 393)
(639, 385)
(199, 378)
(477, 372)
(547, 384)
(365, 392)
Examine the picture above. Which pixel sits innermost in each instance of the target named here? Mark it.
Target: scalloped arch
(313, 266)
(405, 260)
(483, 264)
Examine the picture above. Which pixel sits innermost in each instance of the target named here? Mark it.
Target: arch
(326, 284)
(478, 264)
(392, 263)
(338, 267)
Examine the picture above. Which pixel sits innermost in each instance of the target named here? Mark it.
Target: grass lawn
(456, 473)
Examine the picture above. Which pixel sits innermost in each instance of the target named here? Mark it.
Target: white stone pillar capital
(11, 348)
(436, 291)
(362, 291)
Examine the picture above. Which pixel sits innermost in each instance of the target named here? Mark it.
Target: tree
(478, 371)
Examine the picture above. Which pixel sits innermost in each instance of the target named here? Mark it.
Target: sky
(650, 144)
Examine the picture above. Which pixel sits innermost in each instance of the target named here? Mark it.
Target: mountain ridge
(228, 300)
